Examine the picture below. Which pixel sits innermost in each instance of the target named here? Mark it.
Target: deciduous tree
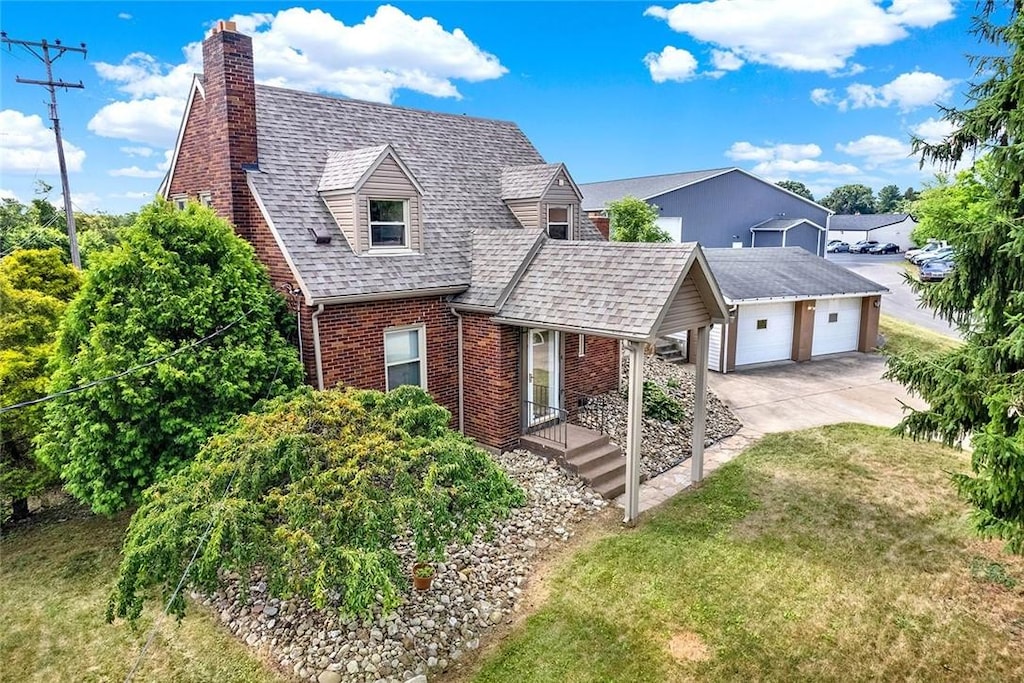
(796, 187)
(314, 492)
(176, 277)
(977, 390)
(634, 220)
(35, 287)
(850, 199)
(888, 200)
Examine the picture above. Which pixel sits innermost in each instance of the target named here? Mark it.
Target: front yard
(833, 553)
(55, 576)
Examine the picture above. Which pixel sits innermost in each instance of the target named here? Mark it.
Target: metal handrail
(547, 422)
(597, 409)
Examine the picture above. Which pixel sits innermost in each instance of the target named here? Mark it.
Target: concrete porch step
(587, 453)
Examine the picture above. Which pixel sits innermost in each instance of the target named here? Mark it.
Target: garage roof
(771, 273)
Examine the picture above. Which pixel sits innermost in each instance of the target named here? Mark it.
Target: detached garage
(788, 304)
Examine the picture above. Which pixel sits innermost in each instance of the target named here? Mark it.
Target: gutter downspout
(316, 346)
(462, 427)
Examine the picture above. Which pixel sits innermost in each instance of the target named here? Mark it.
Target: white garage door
(836, 326)
(764, 332)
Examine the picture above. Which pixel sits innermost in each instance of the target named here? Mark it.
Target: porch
(626, 294)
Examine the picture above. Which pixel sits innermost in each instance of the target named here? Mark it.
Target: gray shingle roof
(597, 195)
(610, 287)
(864, 221)
(456, 159)
(497, 256)
(527, 182)
(344, 169)
(782, 272)
(779, 224)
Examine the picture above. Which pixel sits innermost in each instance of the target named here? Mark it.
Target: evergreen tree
(977, 390)
(175, 277)
(888, 199)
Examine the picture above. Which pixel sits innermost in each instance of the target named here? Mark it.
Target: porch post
(700, 400)
(634, 431)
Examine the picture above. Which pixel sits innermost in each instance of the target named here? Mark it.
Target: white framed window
(558, 222)
(583, 345)
(206, 199)
(405, 357)
(389, 223)
(180, 201)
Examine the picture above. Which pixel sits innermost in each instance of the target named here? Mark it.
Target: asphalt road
(887, 270)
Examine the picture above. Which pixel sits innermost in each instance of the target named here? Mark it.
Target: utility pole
(49, 53)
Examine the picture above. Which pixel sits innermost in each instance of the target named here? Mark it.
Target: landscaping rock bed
(664, 444)
(477, 587)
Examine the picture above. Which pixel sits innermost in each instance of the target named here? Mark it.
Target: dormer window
(558, 222)
(389, 223)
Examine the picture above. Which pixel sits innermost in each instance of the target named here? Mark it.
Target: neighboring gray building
(881, 227)
(722, 207)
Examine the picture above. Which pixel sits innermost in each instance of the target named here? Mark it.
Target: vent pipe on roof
(320, 237)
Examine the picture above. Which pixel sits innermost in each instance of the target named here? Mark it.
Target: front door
(543, 381)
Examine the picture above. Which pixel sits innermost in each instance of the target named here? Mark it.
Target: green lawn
(902, 336)
(838, 553)
(54, 580)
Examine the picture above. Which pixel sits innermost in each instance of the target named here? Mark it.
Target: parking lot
(889, 270)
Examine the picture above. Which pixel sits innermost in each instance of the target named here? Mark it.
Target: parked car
(933, 245)
(838, 247)
(863, 246)
(886, 248)
(936, 270)
(937, 255)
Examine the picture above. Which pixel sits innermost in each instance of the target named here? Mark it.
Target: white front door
(543, 382)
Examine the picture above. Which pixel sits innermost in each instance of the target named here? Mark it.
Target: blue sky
(824, 92)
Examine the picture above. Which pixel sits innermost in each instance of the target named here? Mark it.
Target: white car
(932, 246)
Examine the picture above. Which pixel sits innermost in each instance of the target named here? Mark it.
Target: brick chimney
(601, 223)
(230, 87)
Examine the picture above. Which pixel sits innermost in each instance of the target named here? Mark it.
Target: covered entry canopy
(633, 292)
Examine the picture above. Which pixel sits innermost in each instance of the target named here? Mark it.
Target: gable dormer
(375, 200)
(543, 197)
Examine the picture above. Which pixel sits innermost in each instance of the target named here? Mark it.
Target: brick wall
(492, 392)
(596, 372)
(352, 344)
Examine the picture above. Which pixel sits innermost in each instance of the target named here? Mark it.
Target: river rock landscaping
(476, 588)
(664, 444)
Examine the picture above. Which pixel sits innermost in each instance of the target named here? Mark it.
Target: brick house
(429, 249)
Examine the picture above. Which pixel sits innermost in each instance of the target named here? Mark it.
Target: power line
(46, 57)
(195, 554)
(88, 385)
(28, 238)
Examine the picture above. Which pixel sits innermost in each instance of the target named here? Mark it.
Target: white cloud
(135, 172)
(166, 163)
(306, 50)
(907, 91)
(28, 146)
(145, 152)
(933, 130)
(796, 34)
(124, 15)
(153, 121)
(724, 60)
(131, 195)
(785, 160)
(7, 194)
(822, 96)
(745, 151)
(876, 150)
(671, 64)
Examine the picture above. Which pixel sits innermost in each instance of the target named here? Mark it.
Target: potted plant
(422, 575)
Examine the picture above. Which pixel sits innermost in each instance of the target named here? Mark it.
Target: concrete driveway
(842, 388)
